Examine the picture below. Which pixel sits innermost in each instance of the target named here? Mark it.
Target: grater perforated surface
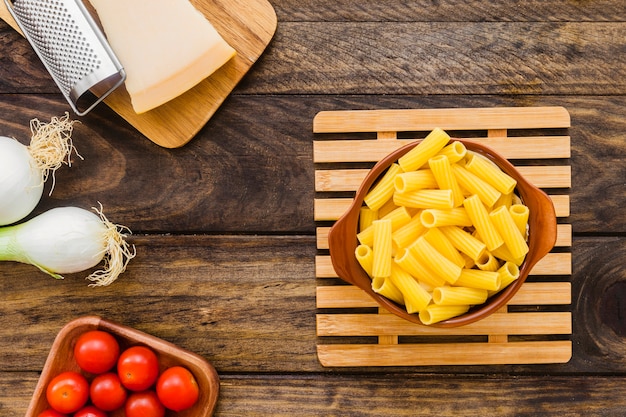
(71, 46)
(60, 40)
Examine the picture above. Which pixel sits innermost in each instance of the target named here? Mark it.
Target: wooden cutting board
(535, 327)
(248, 26)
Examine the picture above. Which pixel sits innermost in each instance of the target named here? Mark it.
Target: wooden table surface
(224, 226)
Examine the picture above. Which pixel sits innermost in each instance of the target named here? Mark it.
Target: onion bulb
(66, 240)
(25, 169)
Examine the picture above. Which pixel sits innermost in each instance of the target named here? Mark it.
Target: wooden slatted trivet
(536, 325)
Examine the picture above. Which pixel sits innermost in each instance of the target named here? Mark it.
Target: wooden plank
(537, 392)
(328, 151)
(563, 236)
(332, 180)
(396, 12)
(389, 324)
(451, 354)
(531, 293)
(327, 209)
(447, 119)
(551, 264)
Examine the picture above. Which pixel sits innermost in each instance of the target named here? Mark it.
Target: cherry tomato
(68, 392)
(177, 388)
(90, 411)
(96, 351)
(107, 392)
(144, 404)
(50, 413)
(138, 368)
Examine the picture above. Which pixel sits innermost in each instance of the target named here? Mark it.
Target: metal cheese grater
(72, 47)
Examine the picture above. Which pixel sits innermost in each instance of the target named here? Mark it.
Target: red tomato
(107, 392)
(138, 368)
(144, 404)
(177, 388)
(50, 413)
(90, 411)
(68, 392)
(96, 351)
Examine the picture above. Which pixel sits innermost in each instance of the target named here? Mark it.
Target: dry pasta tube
(482, 223)
(475, 278)
(464, 242)
(504, 254)
(387, 208)
(442, 171)
(366, 217)
(440, 242)
(490, 173)
(422, 199)
(426, 149)
(386, 288)
(435, 313)
(454, 151)
(407, 234)
(508, 273)
(459, 296)
(456, 216)
(504, 200)
(506, 227)
(474, 185)
(407, 261)
(399, 217)
(414, 180)
(435, 261)
(383, 190)
(365, 257)
(381, 264)
(469, 262)
(488, 262)
(416, 298)
(519, 213)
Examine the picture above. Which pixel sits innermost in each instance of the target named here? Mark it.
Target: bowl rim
(342, 238)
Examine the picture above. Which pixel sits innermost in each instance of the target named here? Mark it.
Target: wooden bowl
(61, 358)
(342, 238)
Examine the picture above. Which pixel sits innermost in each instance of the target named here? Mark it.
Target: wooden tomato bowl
(61, 358)
(342, 238)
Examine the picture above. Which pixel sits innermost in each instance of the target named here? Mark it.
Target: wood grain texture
(423, 58)
(443, 58)
(226, 254)
(449, 11)
(239, 310)
(419, 395)
(245, 161)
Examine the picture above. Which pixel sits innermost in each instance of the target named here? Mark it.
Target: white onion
(21, 181)
(25, 169)
(66, 240)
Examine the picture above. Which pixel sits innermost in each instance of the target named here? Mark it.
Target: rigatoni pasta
(445, 178)
(479, 215)
(381, 261)
(443, 231)
(383, 190)
(385, 287)
(435, 313)
(415, 180)
(490, 173)
(506, 227)
(429, 147)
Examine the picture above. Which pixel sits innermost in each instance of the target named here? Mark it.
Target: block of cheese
(165, 46)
